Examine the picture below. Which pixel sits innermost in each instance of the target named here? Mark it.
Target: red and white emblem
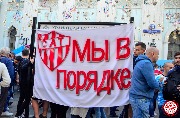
(53, 48)
(170, 108)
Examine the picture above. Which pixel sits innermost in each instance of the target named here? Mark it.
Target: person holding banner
(38, 103)
(143, 83)
(25, 74)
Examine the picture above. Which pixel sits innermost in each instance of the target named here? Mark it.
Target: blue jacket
(9, 64)
(143, 81)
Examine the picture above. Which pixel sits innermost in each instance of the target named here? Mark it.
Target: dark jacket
(9, 64)
(25, 72)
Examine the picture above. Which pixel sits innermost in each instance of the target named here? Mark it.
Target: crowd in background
(147, 85)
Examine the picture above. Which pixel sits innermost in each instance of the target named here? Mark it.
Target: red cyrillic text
(90, 51)
(81, 80)
(123, 48)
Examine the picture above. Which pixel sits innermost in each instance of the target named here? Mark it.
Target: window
(174, 44)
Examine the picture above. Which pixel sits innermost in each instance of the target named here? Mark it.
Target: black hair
(18, 58)
(143, 45)
(25, 52)
(176, 54)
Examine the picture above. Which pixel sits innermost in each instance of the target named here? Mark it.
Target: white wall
(101, 11)
(3, 26)
(30, 10)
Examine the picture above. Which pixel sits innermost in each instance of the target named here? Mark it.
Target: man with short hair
(143, 83)
(4, 85)
(139, 49)
(161, 78)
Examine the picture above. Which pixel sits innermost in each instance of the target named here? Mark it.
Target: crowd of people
(148, 85)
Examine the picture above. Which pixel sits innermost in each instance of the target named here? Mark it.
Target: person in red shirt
(156, 70)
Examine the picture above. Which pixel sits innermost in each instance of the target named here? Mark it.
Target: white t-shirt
(6, 80)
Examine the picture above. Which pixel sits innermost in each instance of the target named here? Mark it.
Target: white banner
(85, 68)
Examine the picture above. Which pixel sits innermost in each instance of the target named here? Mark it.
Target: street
(15, 101)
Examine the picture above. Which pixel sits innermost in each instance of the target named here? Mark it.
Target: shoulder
(9, 60)
(2, 65)
(171, 71)
(174, 72)
(24, 60)
(145, 63)
(6, 60)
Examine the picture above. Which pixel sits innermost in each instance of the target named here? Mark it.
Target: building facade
(157, 22)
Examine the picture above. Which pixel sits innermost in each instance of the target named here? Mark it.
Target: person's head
(17, 59)
(140, 48)
(25, 53)
(168, 66)
(11, 55)
(4, 51)
(177, 58)
(153, 54)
